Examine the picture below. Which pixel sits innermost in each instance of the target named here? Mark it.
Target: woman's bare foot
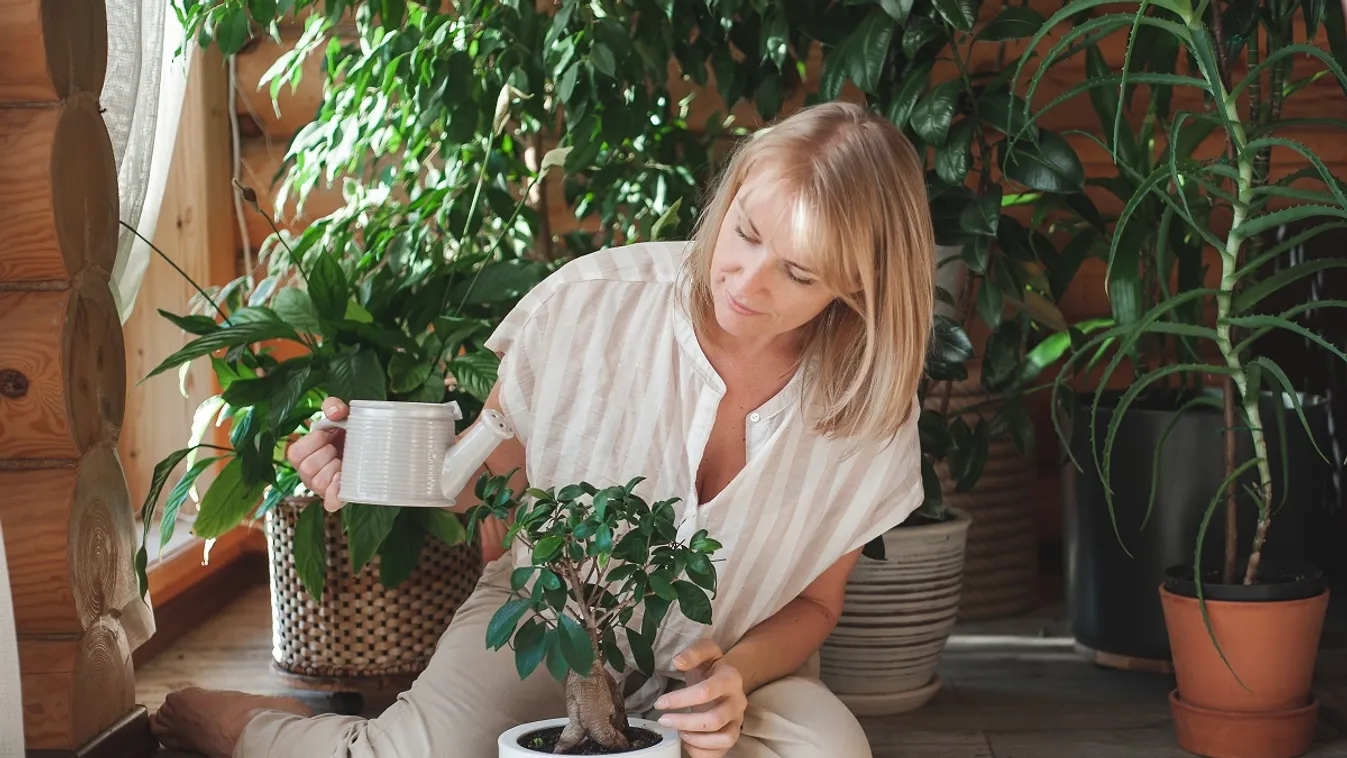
(210, 721)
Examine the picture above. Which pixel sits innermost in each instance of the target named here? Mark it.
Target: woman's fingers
(710, 720)
(331, 497)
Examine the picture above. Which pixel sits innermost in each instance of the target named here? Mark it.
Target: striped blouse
(604, 380)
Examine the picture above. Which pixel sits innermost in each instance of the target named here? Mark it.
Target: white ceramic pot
(882, 657)
(669, 745)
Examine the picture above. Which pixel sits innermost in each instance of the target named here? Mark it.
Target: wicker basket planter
(882, 657)
(361, 629)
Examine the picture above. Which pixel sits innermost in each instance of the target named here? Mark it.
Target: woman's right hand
(317, 456)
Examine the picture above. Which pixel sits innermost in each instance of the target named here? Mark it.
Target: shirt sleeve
(521, 342)
(905, 491)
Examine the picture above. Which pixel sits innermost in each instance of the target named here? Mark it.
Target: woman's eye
(740, 231)
(797, 279)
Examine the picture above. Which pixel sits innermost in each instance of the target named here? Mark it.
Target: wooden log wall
(66, 514)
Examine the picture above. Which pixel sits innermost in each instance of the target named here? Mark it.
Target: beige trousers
(469, 694)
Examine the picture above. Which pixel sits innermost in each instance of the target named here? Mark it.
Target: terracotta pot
(881, 658)
(1269, 634)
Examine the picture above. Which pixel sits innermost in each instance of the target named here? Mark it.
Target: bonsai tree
(604, 563)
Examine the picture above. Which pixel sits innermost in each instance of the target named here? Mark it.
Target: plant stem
(1231, 493)
(1229, 266)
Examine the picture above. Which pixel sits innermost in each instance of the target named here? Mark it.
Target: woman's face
(761, 287)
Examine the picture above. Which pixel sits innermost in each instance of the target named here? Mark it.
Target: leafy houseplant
(1221, 617)
(599, 556)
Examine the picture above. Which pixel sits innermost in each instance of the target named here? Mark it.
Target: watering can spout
(465, 456)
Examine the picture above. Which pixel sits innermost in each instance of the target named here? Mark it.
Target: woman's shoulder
(641, 262)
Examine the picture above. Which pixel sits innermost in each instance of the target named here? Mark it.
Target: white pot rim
(509, 739)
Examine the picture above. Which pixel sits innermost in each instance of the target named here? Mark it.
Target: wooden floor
(1012, 689)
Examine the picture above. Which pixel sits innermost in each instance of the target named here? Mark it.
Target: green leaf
(1336, 28)
(402, 549)
(898, 10)
(530, 645)
(989, 303)
(692, 601)
(1260, 224)
(227, 502)
(909, 93)
(603, 59)
(262, 11)
(503, 621)
(406, 372)
(476, 372)
(1015, 22)
(961, 14)
(613, 654)
(932, 114)
(575, 646)
(356, 376)
(660, 583)
(1050, 166)
(641, 651)
(520, 577)
(367, 526)
(952, 159)
(228, 337)
(178, 496)
(920, 32)
(933, 433)
(702, 572)
(194, 324)
(556, 661)
(547, 548)
(983, 216)
(327, 288)
(1005, 112)
(444, 525)
(949, 343)
(295, 308)
(1249, 298)
(310, 548)
(231, 29)
(1278, 322)
(860, 57)
(566, 86)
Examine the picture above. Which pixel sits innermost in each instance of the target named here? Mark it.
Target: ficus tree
(603, 563)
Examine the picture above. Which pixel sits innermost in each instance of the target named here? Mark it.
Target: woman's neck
(777, 350)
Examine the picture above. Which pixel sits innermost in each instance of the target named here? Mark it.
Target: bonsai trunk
(594, 706)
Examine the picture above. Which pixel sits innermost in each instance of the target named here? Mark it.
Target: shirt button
(753, 417)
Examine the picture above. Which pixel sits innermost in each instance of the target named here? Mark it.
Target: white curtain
(142, 98)
(11, 712)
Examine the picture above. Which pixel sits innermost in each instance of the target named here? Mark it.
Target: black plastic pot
(1112, 577)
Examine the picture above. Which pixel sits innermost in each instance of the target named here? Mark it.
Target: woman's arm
(781, 644)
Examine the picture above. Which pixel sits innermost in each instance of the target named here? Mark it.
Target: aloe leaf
(1250, 297)
(1197, 558)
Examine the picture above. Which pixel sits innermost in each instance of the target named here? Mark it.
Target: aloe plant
(603, 562)
(1188, 191)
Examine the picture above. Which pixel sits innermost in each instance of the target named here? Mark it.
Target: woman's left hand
(716, 691)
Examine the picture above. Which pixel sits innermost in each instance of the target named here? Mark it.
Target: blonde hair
(859, 210)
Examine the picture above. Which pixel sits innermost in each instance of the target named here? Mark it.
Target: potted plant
(603, 562)
(1222, 615)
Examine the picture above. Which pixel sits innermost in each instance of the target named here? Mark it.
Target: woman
(766, 373)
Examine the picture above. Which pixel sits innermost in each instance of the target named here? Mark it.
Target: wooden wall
(65, 512)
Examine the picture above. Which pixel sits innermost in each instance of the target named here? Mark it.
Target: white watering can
(406, 454)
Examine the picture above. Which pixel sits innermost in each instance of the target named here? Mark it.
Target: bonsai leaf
(476, 372)
(692, 601)
(520, 577)
(367, 526)
(530, 645)
(662, 585)
(641, 651)
(547, 548)
(701, 571)
(702, 543)
(556, 660)
(575, 645)
(227, 501)
(656, 608)
(613, 654)
(504, 620)
(356, 376)
(310, 548)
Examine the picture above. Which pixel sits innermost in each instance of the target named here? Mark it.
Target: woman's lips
(739, 307)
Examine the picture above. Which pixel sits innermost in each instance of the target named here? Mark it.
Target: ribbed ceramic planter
(882, 657)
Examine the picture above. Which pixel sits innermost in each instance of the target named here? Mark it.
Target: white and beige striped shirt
(605, 380)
